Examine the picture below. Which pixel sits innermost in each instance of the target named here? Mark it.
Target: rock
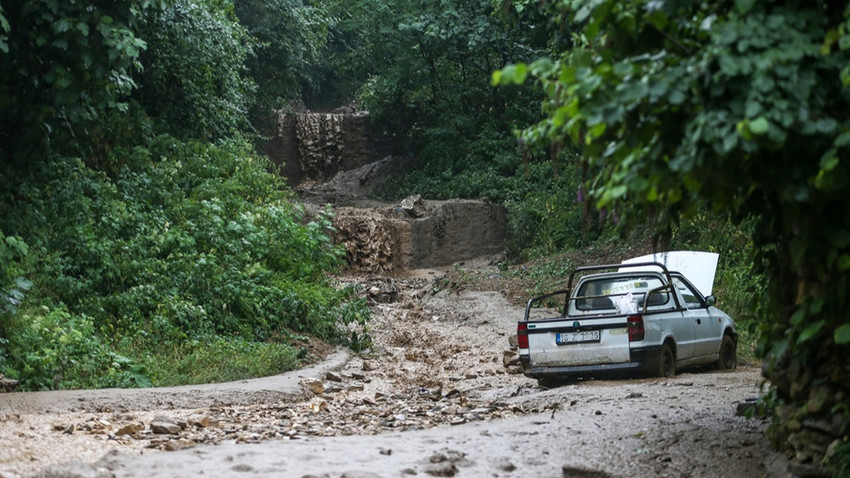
(202, 421)
(7, 384)
(164, 426)
(568, 471)
(446, 468)
(318, 405)
(314, 385)
(384, 291)
(180, 444)
(510, 358)
(805, 470)
(414, 206)
(505, 465)
(333, 377)
(360, 474)
(130, 429)
(514, 370)
(513, 342)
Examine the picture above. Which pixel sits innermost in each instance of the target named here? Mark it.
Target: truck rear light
(522, 335)
(636, 330)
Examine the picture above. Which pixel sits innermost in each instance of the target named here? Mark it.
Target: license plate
(586, 336)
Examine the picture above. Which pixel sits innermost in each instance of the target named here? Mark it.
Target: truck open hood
(697, 267)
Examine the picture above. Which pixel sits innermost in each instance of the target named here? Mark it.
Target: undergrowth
(183, 262)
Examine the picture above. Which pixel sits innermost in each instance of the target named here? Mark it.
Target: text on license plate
(564, 338)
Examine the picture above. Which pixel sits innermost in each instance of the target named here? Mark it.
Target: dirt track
(432, 399)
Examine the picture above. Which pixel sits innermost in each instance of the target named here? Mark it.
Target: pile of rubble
(339, 407)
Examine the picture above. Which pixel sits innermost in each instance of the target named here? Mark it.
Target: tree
(62, 64)
(195, 79)
(289, 37)
(743, 105)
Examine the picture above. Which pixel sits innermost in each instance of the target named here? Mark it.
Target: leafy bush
(186, 242)
(195, 78)
(738, 286)
(12, 285)
(52, 348)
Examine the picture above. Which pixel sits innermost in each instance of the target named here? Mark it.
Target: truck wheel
(728, 354)
(666, 362)
(550, 382)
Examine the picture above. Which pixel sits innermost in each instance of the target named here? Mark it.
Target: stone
(360, 474)
(414, 206)
(748, 406)
(505, 465)
(445, 468)
(130, 429)
(201, 421)
(333, 377)
(568, 471)
(180, 444)
(7, 384)
(314, 385)
(165, 428)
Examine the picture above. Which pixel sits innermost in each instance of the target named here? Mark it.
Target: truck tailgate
(568, 343)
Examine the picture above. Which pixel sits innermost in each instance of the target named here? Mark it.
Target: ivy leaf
(758, 125)
(744, 6)
(842, 334)
(811, 331)
(630, 92)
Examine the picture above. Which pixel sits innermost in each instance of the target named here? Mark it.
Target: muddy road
(433, 397)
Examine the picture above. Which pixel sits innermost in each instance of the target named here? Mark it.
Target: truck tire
(728, 354)
(666, 361)
(550, 382)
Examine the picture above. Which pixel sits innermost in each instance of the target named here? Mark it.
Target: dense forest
(146, 240)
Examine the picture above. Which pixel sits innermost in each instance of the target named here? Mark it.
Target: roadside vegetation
(143, 241)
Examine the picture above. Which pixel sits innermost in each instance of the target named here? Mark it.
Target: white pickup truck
(635, 316)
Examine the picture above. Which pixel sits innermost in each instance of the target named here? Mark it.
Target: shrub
(183, 242)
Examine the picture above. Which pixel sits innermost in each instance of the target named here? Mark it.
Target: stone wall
(437, 233)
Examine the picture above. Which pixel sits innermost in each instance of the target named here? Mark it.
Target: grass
(221, 360)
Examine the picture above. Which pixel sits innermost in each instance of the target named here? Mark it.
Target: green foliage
(12, 285)
(425, 67)
(188, 241)
(838, 463)
(218, 359)
(195, 78)
(738, 105)
(665, 101)
(52, 348)
(123, 243)
(62, 64)
(289, 38)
